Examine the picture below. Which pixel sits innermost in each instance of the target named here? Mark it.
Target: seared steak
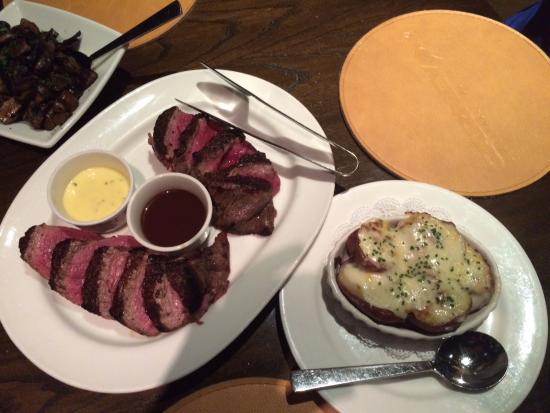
(171, 293)
(257, 166)
(209, 158)
(101, 280)
(166, 135)
(70, 260)
(205, 130)
(180, 290)
(37, 245)
(212, 268)
(114, 279)
(237, 199)
(236, 152)
(241, 180)
(128, 305)
(261, 224)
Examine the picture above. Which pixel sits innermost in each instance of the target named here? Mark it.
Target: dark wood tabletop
(299, 46)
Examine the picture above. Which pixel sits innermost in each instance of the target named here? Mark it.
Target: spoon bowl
(471, 361)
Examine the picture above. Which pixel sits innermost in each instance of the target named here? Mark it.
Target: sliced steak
(101, 280)
(37, 245)
(204, 132)
(209, 158)
(212, 268)
(236, 199)
(166, 134)
(171, 292)
(261, 224)
(257, 166)
(236, 152)
(128, 305)
(71, 259)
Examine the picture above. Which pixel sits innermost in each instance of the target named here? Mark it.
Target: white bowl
(471, 321)
(156, 185)
(67, 170)
(93, 37)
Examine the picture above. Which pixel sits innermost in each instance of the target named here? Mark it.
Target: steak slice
(166, 133)
(171, 292)
(261, 224)
(257, 166)
(128, 305)
(236, 199)
(212, 268)
(70, 260)
(37, 245)
(209, 158)
(101, 280)
(236, 152)
(204, 132)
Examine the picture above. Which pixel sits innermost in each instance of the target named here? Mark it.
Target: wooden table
(300, 46)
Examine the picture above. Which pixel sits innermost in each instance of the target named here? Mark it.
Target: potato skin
(357, 255)
(417, 320)
(380, 315)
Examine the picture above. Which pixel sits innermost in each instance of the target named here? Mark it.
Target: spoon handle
(315, 379)
(162, 16)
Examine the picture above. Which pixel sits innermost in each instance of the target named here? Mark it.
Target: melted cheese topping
(427, 269)
(95, 193)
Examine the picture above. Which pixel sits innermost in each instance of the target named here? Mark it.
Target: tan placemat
(450, 98)
(120, 15)
(251, 395)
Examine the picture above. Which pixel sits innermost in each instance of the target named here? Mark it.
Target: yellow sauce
(95, 193)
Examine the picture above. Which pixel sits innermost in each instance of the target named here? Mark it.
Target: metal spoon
(471, 361)
(164, 15)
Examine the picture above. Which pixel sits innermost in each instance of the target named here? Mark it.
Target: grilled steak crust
(209, 158)
(170, 292)
(180, 290)
(205, 130)
(62, 254)
(128, 306)
(159, 132)
(72, 260)
(222, 158)
(102, 277)
(236, 199)
(212, 268)
(37, 245)
(236, 152)
(147, 293)
(261, 224)
(258, 166)
(167, 139)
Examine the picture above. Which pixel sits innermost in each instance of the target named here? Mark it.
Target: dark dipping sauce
(172, 217)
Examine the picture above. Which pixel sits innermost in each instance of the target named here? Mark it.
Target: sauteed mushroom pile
(41, 79)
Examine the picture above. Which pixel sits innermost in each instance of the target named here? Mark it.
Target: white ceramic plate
(322, 334)
(89, 352)
(93, 37)
(470, 322)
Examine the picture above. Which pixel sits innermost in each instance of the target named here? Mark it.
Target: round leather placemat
(261, 395)
(120, 15)
(452, 99)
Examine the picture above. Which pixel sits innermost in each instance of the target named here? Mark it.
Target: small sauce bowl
(76, 165)
(154, 188)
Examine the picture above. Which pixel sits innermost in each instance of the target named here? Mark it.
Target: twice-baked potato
(416, 272)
